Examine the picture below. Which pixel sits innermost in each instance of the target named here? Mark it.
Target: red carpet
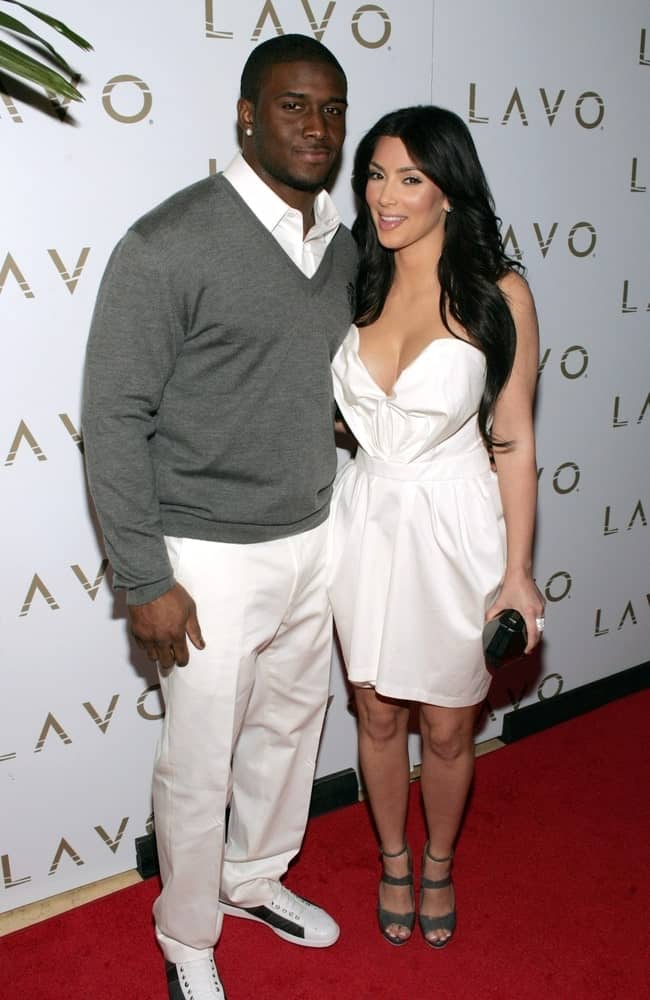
(552, 877)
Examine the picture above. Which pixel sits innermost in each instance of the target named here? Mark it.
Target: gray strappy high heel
(387, 917)
(446, 922)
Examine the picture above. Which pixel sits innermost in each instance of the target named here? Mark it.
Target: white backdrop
(558, 104)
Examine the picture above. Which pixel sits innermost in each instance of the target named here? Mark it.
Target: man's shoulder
(184, 210)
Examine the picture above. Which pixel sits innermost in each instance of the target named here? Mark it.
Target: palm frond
(53, 22)
(11, 24)
(20, 64)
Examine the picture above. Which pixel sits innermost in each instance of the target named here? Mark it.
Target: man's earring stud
(249, 131)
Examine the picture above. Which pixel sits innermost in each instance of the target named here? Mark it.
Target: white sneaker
(195, 980)
(292, 918)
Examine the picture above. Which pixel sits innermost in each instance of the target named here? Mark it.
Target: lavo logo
(628, 617)
(125, 98)
(545, 691)
(638, 515)
(70, 278)
(370, 24)
(589, 108)
(581, 240)
(63, 847)
(37, 586)
(151, 712)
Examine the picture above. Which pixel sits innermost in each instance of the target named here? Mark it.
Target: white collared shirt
(282, 221)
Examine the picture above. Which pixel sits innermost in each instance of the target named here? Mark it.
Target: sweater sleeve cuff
(150, 591)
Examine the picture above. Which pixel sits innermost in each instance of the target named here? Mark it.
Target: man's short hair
(282, 49)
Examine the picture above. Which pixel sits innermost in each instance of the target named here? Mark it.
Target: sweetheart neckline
(435, 340)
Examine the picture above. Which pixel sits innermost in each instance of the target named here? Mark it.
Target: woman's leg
(383, 754)
(446, 775)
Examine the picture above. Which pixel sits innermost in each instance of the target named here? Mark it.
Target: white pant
(257, 695)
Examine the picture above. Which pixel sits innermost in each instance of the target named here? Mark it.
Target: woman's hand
(521, 593)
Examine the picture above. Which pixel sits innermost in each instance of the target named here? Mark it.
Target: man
(209, 439)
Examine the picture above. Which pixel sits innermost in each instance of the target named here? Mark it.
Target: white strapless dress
(417, 538)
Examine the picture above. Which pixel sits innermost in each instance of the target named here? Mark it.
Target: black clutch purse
(504, 638)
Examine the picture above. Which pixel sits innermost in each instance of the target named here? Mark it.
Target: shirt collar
(269, 208)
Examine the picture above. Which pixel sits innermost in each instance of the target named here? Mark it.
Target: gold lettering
(72, 430)
(597, 629)
(560, 684)
(210, 30)
(70, 279)
(318, 29)
(606, 528)
(565, 579)
(37, 586)
(628, 613)
(626, 308)
(51, 724)
(616, 421)
(551, 113)
(142, 709)
(638, 512)
(11, 267)
(107, 101)
(590, 95)
(572, 484)
(582, 353)
(592, 239)
(544, 359)
(634, 187)
(104, 723)
(544, 244)
(113, 843)
(9, 881)
(515, 102)
(370, 8)
(268, 10)
(64, 848)
(91, 589)
(475, 119)
(24, 434)
(14, 114)
(512, 239)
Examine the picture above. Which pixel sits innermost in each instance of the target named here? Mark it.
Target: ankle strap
(385, 854)
(437, 860)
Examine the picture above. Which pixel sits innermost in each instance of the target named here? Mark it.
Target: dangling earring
(249, 131)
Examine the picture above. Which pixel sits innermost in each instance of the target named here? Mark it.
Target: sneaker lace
(199, 979)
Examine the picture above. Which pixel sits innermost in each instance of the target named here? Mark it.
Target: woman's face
(406, 206)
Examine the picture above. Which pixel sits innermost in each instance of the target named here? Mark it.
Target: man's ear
(245, 114)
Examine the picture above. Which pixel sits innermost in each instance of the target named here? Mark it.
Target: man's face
(298, 126)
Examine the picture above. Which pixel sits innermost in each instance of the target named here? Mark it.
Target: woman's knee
(448, 737)
(379, 721)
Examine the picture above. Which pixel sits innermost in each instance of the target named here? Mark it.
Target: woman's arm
(516, 465)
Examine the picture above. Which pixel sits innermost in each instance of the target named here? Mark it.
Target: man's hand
(160, 627)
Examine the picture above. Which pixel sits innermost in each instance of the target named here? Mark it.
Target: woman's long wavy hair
(473, 258)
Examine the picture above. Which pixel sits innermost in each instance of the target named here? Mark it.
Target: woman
(432, 523)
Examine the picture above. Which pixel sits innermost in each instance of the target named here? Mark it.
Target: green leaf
(9, 22)
(59, 26)
(20, 64)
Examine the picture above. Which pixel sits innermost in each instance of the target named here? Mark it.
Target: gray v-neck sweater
(208, 398)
